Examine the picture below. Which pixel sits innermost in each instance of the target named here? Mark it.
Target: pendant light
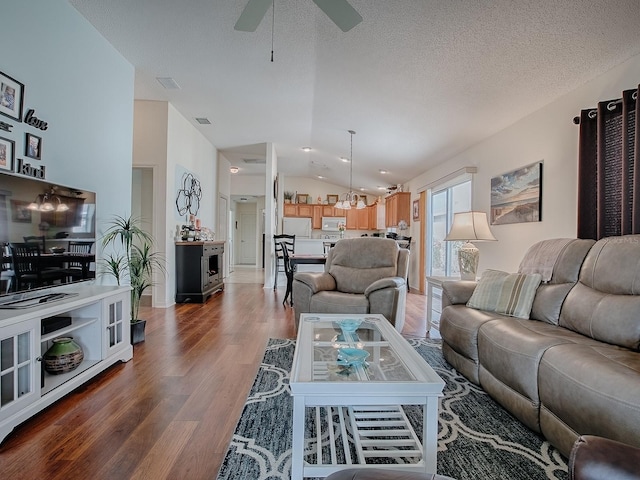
(349, 201)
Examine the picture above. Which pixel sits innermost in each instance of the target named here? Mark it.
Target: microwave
(330, 224)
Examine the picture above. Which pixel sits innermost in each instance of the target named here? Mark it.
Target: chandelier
(350, 201)
(48, 202)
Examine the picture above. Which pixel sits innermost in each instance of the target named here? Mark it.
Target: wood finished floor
(169, 413)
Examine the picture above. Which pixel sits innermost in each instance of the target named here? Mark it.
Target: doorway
(142, 208)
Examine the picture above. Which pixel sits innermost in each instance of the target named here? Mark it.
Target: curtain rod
(611, 106)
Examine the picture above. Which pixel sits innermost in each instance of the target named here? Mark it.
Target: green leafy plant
(132, 258)
(287, 195)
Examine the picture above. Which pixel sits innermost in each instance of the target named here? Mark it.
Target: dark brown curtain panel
(608, 169)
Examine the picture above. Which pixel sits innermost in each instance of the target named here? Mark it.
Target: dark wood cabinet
(199, 270)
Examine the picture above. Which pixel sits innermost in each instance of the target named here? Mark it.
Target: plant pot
(137, 331)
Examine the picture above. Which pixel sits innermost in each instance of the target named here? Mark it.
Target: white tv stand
(99, 324)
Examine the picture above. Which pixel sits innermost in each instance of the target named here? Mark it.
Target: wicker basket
(63, 356)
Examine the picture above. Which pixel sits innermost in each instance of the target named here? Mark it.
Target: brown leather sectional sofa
(573, 368)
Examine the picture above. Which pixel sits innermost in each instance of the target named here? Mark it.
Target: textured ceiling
(418, 80)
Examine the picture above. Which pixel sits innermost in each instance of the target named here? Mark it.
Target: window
(444, 202)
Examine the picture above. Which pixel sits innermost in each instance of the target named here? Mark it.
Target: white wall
(550, 135)
(164, 139)
(83, 88)
(248, 185)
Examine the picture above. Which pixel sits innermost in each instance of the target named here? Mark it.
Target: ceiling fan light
(63, 207)
(46, 207)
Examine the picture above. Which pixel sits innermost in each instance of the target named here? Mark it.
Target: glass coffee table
(347, 409)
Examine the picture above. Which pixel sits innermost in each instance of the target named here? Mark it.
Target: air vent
(255, 161)
(168, 83)
(203, 121)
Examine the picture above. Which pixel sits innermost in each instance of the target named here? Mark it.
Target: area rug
(477, 438)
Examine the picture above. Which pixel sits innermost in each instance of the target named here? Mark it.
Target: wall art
(11, 97)
(33, 146)
(516, 196)
(7, 154)
(416, 209)
(20, 211)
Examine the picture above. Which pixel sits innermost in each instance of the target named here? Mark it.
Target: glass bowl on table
(352, 357)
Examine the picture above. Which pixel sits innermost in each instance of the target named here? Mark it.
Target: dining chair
(290, 242)
(404, 242)
(74, 270)
(288, 270)
(38, 239)
(7, 274)
(28, 269)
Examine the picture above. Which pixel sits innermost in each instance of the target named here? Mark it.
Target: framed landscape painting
(516, 196)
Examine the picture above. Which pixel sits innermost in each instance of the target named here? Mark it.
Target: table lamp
(468, 227)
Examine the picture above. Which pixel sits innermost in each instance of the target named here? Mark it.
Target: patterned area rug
(477, 438)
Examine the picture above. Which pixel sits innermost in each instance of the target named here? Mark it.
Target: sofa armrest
(389, 282)
(457, 292)
(316, 281)
(598, 458)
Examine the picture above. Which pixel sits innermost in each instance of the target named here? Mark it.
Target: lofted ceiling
(418, 80)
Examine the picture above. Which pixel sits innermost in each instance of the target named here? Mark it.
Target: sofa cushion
(604, 304)
(593, 389)
(338, 302)
(508, 294)
(357, 263)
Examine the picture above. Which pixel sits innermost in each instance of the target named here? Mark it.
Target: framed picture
(33, 146)
(332, 199)
(7, 154)
(302, 198)
(20, 211)
(416, 209)
(11, 97)
(516, 196)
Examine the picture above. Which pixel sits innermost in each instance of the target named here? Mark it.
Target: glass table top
(337, 340)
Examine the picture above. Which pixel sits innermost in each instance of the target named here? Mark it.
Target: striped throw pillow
(510, 294)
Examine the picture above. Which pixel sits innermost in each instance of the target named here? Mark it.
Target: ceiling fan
(340, 11)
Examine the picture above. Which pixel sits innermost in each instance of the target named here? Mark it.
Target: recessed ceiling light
(320, 177)
(203, 121)
(234, 169)
(381, 188)
(306, 149)
(383, 172)
(362, 189)
(168, 83)
(344, 159)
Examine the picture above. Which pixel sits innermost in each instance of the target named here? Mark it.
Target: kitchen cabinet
(97, 317)
(376, 214)
(397, 207)
(298, 210)
(316, 220)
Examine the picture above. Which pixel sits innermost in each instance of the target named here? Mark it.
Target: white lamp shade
(470, 226)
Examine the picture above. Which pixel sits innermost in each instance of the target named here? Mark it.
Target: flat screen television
(55, 216)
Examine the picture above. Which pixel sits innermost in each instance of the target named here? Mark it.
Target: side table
(434, 282)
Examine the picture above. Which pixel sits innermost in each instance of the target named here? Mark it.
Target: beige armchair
(362, 275)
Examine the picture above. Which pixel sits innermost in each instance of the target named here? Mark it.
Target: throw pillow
(505, 293)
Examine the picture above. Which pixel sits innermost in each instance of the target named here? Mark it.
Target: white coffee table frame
(362, 400)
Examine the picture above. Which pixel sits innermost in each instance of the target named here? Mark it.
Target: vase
(341, 233)
(63, 356)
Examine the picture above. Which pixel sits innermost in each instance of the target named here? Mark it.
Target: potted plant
(288, 196)
(132, 258)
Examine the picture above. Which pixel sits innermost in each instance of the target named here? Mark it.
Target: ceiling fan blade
(252, 15)
(341, 12)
